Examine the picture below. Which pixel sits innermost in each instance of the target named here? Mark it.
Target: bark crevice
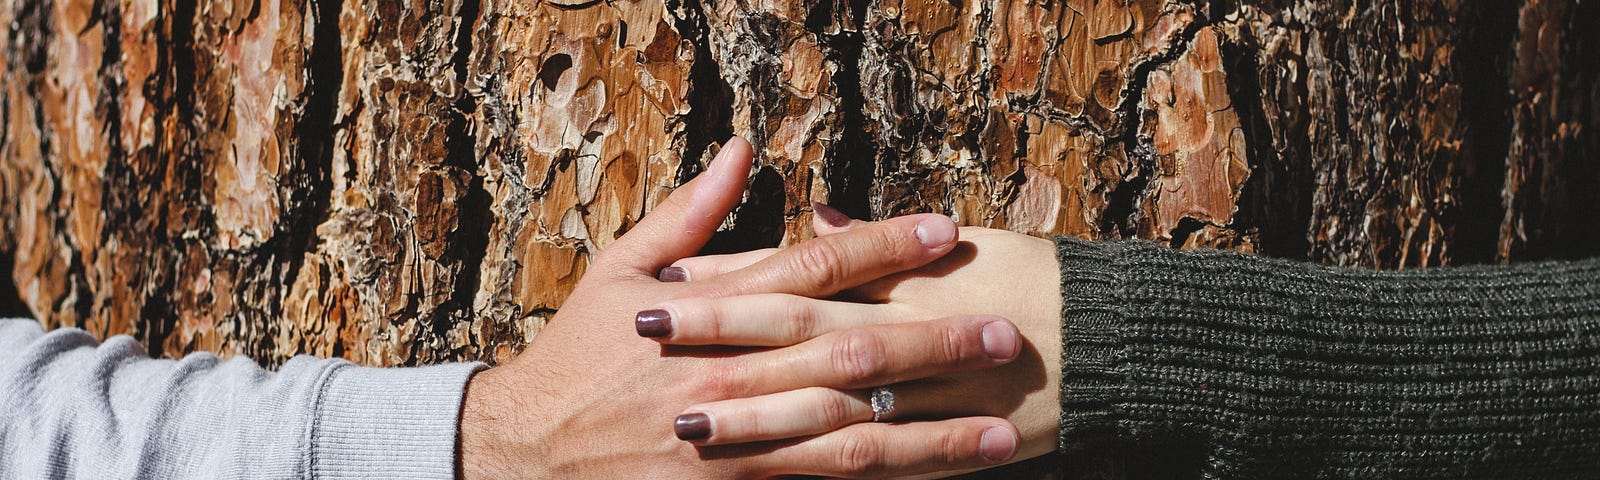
(1275, 202)
(11, 305)
(1485, 59)
(710, 98)
(1121, 215)
(473, 222)
(854, 161)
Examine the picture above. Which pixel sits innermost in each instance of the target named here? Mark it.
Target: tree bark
(403, 183)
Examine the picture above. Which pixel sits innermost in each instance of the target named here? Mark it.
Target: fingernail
(997, 444)
(696, 426)
(936, 233)
(709, 171)
(999, 341)
(722, 152)
(832, 216)
(653, 323)
(673, 274)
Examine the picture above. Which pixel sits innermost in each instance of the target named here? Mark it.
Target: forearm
(1271, 365)
(71, 407)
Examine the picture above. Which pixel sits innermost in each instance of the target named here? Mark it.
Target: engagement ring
(882, 403)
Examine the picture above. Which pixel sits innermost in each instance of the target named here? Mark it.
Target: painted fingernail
(999, 340)
(997, 444)
(653, 323)
(936, 233)
(832, 216)
(673, 274)
(696, 426)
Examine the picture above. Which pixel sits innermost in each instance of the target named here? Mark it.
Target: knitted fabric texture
(1275, 369)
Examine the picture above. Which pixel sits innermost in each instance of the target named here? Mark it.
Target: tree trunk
(402, 183)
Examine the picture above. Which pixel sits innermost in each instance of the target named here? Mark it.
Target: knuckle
(956, 344)
(860, 456)
(954, 448)
(859, 357)
(821, 263)
(802, 318)
(711, 317)
(897, 245)
(743, 422)
(835, 410)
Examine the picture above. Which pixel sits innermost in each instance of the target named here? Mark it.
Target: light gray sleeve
(71, 407)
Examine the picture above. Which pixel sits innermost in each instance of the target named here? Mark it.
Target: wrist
(482, 448)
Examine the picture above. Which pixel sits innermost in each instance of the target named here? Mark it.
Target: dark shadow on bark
(10, 302)
(758, 221)
(1570, 231)
(1484, 64)
(1276, 199)
(710, 97)
(852, 167)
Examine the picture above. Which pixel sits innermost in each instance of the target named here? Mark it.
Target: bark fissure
(710, 97)
(1276, 199)
(36, 29)
(851, 174)
(312, 204)
(471, 239)
(107, 104)
(1122, 211)
(1485, 58)
(1550, 168)
(182, 215)
(11, 305)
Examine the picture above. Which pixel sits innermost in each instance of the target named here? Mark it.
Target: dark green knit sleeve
(1276, 369)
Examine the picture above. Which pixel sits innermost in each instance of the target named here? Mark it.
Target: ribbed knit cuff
(1091, 314)
(398, 423)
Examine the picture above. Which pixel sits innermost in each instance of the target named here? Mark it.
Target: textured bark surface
(402, 183)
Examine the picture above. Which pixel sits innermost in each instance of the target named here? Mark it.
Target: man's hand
(590, 398)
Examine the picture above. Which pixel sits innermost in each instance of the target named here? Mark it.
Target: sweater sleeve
(1275, 369)
(71, 407)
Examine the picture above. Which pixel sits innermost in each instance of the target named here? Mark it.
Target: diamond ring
(882, 401)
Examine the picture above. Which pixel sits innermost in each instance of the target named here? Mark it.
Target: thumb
(684, 222)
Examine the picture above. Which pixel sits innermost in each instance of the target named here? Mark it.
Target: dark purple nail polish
(831, 216)
(653, 323)
(692, 426)
(673, 274)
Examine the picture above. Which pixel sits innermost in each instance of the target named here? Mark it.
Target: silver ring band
(882, 401)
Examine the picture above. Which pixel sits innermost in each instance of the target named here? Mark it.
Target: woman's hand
(990, 272)
(589, 398)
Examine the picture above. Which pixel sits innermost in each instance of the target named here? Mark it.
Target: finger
(826, 265)
(875, 450)
(762, 320)
(803, 412)
(707, 267)
(807, 411)
(875, 355)
(684, 222)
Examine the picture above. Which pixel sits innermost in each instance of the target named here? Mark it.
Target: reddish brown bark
(415, 182)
